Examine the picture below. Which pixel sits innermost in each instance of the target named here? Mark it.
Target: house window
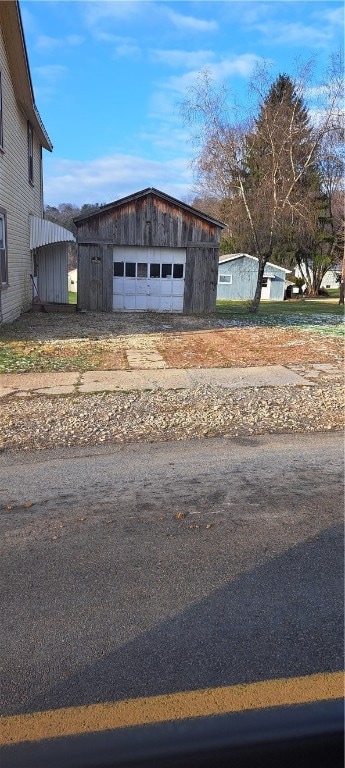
(264, 282)
(225, 279)
(31, 152)
(1, 120)
(3, 250)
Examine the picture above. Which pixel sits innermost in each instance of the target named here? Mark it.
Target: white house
(331, 278)
(32, 250)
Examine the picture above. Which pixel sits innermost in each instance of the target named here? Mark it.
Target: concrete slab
(168, 378)
(173, 378)
(29, 381)
(258, 376)
(98, 381)
(138, 359)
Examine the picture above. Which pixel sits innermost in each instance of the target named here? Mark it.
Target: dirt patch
(247, 347)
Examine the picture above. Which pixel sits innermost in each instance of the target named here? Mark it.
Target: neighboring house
(148, 252)
(237, 278)
(331, 278)
(31, 249)
(72, 280)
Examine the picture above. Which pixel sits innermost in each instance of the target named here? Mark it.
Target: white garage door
(148, 279)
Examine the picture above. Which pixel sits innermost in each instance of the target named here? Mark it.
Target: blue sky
(108, 78)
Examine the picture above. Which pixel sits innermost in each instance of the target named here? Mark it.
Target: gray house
(148, 252)
(237, 278)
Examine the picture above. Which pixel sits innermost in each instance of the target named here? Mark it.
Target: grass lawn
(72, 297)
(269, 309)
(333, 293)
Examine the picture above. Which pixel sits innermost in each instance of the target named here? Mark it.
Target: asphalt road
(150, 569)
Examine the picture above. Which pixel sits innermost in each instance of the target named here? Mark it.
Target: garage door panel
(166, 303)
(141, 302)
(155, 288)
(118, 302)
(118, 285)
(178, 288)
(129, 301)
(148, 278)
(177, 303)
(166, 287)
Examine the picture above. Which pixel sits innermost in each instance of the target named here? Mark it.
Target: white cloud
(74, 39)
(164, 136)
(95, 12)
(191, 23)
(242, 66)
(46, 81)
(47, 43)
(179, 58)
(126, 51)
(294, 33)
(110, 178)
(334, 16)
(110, 37)
(51, 73)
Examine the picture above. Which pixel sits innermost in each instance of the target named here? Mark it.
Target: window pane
(130, 269)
(225, 279)
(3, 266)
(155, 270)
(264, 282)
(2, 232)
(166, 270)
(141, 269)
(178, 270)
(118, 268)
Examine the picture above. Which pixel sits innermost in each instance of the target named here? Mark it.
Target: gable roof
(145, 193)
(17, 57)
(233, 256)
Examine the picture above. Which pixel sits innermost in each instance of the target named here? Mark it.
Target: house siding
(18, 197)
(244, 272)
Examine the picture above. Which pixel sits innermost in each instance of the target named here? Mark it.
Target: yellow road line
(71, 721)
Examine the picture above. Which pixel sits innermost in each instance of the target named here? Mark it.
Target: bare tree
(262, 163)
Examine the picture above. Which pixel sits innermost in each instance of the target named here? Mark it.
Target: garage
(147, 252)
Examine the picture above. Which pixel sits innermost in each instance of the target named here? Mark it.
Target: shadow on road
(283, 618)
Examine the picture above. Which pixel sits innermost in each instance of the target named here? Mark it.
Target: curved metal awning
(44, 232)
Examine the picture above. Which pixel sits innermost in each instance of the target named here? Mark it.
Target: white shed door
(148, 279)
(266, 288)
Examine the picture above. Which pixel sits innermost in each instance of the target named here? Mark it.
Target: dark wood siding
(201, 280)
(95, 278)
(147, 221)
